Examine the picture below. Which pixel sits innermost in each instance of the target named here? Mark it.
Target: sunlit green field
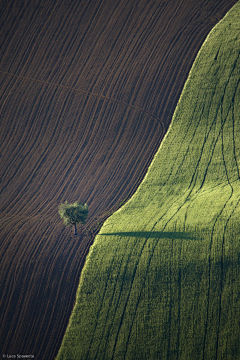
(162, 279)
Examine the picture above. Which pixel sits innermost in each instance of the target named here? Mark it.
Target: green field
(162, 279)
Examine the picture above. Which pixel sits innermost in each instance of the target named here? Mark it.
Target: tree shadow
(155, 235)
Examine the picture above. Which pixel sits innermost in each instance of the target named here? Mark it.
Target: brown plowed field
(88, 89)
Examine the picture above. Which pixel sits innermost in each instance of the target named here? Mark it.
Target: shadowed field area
(88, 89)
(162, 278)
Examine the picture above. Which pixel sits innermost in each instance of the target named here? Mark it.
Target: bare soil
(88, 89)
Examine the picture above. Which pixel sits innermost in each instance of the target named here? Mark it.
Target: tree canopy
(73, 213)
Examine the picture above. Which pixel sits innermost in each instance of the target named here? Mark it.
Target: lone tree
(73, 213)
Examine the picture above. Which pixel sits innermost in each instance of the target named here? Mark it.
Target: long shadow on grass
(155, 235)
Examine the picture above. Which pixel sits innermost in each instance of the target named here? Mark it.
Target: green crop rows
(162, 279)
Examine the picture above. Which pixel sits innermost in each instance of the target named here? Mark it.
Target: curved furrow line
(100, 96)
(160, 105)
(221, 277)
(186, 194)
(209, 280)
(115, 143)
(234, 141)
(101, 308)
(214, 143)
(87, 31)
(115, 299)
(24, 26)
(148, 62)
(141, 289)
(44, 280)
(108, 28)
(34, 22)
(48, 58)
(223, 236)
(117, 36)
(174, 161)
(155, 80)
(6, 20)
(172, 77)
(195, 174)
(9, 271)
(123, 41)
(55, 159)
(8, 248)
(6, 93)
(35, 143)
(128, 58)
(112, 175)
(58, 123)
(123, 59)
(47, 280)
(126, 300)
(98, 56)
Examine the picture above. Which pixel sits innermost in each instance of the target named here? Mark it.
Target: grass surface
(161, 280)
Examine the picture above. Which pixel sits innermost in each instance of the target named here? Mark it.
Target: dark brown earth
(88, 89)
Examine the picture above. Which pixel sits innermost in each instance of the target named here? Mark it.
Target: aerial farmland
(131, 107)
